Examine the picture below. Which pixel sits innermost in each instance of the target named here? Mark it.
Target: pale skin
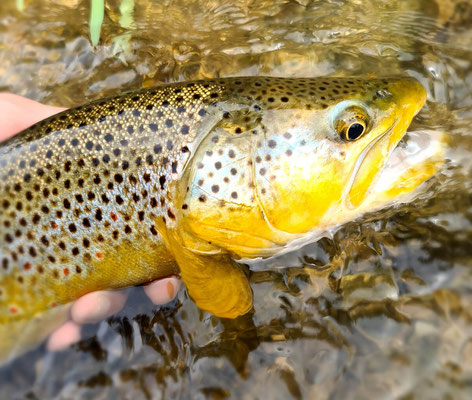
(16, 114)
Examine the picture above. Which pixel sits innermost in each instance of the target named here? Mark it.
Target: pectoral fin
(216, 283)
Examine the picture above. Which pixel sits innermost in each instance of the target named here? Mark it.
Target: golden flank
(189, 177)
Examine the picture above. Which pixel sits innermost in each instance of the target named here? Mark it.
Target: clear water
(380, 310)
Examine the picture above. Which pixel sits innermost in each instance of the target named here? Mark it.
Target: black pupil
(354, 131)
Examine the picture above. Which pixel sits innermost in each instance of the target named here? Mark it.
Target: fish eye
(355, 130)
(351, 124)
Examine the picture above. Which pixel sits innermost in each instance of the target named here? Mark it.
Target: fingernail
(170, 290)
(63, 337)
(162, 291)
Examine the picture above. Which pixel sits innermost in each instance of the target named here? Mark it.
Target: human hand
(16, 114)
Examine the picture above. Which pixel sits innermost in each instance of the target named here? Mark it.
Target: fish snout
(408, 94)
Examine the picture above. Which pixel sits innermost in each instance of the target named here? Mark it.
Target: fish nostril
(382, 94)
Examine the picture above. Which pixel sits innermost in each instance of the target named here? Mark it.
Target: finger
(163, 290)
(18, 113)
(93, 307)
(64, 336)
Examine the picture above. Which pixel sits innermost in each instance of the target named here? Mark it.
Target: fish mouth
(360, 161)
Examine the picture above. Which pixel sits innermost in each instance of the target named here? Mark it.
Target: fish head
(297, 159)
(322, 160)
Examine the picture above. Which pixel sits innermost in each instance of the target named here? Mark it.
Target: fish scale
(87, 180)
(123, 190)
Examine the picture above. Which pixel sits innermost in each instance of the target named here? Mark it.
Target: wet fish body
(185, 178)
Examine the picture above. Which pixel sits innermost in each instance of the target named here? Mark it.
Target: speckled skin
(180, 177)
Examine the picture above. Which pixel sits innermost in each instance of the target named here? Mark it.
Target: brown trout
(188, 177)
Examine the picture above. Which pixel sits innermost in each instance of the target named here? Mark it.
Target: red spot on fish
(53, 305)
(66, 271)
(53, 225)
(113, 216)
(13, 310)
(27, 266)
(99, 255)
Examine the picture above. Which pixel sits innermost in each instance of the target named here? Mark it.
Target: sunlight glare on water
(380, 309)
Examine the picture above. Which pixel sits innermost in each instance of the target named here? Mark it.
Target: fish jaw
(407, 98)
(403, 179)
(408, 167)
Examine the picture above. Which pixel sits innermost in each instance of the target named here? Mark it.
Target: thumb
(18, 113)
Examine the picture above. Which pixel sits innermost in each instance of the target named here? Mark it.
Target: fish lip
(362, 157)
